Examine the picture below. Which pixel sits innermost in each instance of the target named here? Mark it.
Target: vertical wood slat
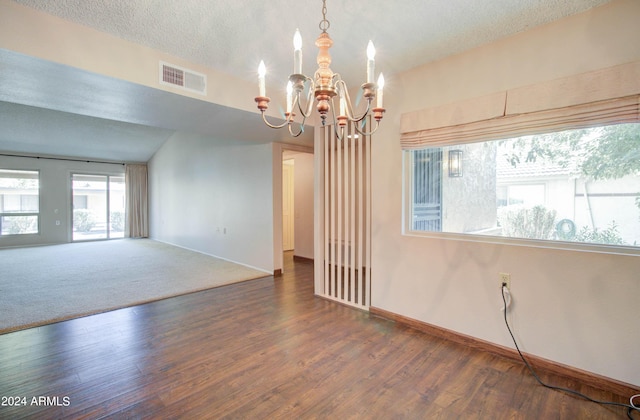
(340, 211)
(326, 241)
(332, 237)
(347, 217)
(345, 220)
(360, 262)
(352, 232)
(367, 209)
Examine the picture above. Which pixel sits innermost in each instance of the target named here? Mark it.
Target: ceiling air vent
(185, 79)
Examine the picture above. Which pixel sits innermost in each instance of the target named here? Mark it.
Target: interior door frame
(277, 160)
(288, 205)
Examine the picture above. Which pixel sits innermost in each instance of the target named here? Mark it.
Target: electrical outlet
(505, 278)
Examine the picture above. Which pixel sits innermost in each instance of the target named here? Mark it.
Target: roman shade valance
(609, 96)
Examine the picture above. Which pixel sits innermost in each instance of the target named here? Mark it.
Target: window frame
(4, 214)
(407, 226)
(604, 96)
(108, 191)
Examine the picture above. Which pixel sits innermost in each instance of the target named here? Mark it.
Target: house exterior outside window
(19, 202)
(571, 186)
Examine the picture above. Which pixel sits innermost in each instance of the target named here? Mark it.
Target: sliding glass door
(98, 206)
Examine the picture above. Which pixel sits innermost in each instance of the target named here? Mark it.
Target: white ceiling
(232, 36)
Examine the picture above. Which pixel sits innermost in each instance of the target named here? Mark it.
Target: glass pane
(18, 225)
(576, 185)
(19, 191)
(19, 202)
(426, 192)
(90, 215)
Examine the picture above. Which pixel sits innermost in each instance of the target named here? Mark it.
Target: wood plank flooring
(263, 349)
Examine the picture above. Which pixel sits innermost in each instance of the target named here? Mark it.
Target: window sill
(530, 243)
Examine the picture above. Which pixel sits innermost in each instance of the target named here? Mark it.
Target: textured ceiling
(232, 36)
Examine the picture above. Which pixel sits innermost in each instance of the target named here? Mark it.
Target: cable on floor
(630, 407)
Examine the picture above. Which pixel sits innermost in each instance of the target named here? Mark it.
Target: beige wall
(31, 32)
(572, 307)
(214, 196)
(303, 188)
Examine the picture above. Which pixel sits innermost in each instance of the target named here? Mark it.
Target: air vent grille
(185, 79)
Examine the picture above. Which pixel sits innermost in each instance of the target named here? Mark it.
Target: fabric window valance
(609, 96)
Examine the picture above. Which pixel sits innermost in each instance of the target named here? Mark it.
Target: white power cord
(507, 297)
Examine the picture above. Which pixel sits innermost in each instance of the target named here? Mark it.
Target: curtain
(603, 97)
(137, 215)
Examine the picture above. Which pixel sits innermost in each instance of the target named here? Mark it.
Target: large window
(19, 202)
(571, 186)
(98, 206)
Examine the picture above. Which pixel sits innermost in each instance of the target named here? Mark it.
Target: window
(19, 202)
(574, 186)
(98, 206)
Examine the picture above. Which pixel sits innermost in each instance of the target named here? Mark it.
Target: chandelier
(324, 86)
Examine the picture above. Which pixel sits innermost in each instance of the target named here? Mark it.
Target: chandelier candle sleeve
(261, 83)
(289, 97)
(379, 92)
(297, 53)
(371, 53)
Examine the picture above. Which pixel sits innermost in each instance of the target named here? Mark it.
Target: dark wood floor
(266, 348)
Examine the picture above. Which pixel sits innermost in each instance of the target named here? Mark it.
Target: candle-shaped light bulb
(343, 104)
(289, 97)
(262, 71)
(379, 93)
(371, 53)
(297, 53)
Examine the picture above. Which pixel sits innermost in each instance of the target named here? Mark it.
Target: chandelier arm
(307, 113)
(349, 107)
(363, 116)
(287, 121)
(290, 121)
(298, 103)
(368, 133)
(300, 131)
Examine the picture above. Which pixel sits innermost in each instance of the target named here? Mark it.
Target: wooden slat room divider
(343, 222)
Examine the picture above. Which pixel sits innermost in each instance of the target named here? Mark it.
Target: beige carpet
(41, 285)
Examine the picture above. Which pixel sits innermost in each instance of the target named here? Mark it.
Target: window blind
(609, 96)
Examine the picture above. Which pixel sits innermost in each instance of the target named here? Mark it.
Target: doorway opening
(298, 204)
(288, 205)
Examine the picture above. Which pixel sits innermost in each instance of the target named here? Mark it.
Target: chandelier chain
(324, 23)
